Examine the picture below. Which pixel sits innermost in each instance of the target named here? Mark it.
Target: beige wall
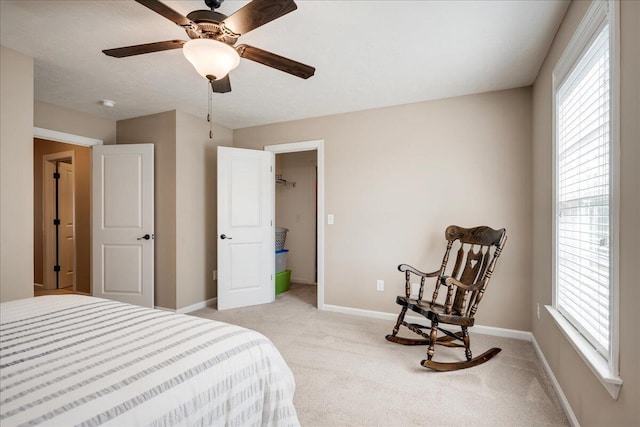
(82, 185)
(159, 129)
(397, 177)
(591, 403)
(16, 175)
(185, 220)
(62, 119)
(196, 216)
(296, 210)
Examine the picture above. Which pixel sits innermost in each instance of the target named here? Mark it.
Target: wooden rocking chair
(479, 250)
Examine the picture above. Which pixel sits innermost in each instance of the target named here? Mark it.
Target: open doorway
(58, 221)
(299, 199)
(296, 211)
(61, 217)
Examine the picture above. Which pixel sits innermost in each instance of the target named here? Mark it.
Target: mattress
(77, 360)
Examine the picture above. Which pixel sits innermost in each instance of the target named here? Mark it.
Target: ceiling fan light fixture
(212, 59)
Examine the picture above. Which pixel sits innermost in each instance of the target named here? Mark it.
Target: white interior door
(246, 239)
(66, 236)
(123, 228)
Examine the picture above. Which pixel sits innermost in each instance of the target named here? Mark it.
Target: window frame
(599, 13)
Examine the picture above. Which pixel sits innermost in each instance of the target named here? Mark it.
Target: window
(585, 193)
(582, 198)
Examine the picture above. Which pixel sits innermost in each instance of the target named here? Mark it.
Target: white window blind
(583, 286)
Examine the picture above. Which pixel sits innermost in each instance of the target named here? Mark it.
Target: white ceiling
(367, 54)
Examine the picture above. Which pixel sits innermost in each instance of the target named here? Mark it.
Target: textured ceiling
(367, 54)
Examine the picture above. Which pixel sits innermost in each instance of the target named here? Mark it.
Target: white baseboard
(573, 420)
(302, 281)
(502, 332)
(197, 306)
(190, 308)
(479, 329)
(360, 312)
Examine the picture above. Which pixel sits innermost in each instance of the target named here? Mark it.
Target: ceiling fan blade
(167, 12)
(276, 61)
(258, 13)
(139, 49)
(222, 85)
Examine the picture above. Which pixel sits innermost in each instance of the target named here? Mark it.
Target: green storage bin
(282, 281)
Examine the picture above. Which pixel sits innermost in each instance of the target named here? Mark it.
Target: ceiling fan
(213, 35)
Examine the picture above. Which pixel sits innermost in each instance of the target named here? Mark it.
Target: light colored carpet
(347, 374)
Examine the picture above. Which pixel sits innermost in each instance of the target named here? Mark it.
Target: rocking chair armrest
(406, 267)
(450, 281)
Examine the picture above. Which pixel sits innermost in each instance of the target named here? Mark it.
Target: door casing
(318, 146)
(68, 138)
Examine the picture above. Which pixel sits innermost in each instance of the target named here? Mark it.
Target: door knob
(145, 237)
(224, 236)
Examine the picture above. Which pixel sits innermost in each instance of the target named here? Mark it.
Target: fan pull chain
(209, 116)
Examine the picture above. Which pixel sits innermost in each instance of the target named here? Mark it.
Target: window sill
(598, 365)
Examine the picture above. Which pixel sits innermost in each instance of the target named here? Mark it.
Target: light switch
(330, 219)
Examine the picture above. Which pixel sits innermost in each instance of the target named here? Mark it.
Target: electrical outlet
(380, 285)
(215, 274)
(538, 310)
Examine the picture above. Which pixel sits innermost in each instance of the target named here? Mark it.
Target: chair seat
(434, 311)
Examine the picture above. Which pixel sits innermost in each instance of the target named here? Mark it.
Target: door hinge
(56, 222)
(56, 175)
(270, 168)
(56, 268)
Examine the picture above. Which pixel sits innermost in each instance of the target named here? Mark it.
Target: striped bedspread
(75, 360)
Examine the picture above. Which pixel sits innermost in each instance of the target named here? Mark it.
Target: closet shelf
(282, 181)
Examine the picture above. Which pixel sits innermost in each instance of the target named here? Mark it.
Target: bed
(77, 360)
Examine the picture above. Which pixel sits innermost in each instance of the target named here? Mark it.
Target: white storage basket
(281, 236)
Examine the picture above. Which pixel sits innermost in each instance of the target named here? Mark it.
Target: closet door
(246, 239)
